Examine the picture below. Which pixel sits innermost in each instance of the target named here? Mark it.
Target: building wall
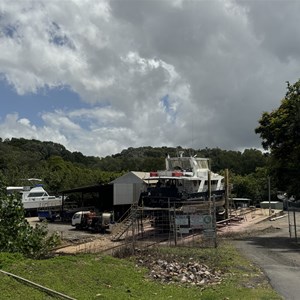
(127, 193)
(123, 193)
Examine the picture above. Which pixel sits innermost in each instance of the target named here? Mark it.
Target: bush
(16, 234)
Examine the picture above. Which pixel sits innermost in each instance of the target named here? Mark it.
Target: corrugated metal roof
(87, 189)
(131, 177)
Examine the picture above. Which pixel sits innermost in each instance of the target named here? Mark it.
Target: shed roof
(87, 189)
(131, 177)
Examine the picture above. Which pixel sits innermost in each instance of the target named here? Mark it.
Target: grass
(95, 276)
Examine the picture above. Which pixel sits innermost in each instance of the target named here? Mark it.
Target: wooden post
(209, 190)
(226, 194)
(269, 192)
(214, 220)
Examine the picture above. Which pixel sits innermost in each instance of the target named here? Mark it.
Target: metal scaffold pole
(209, 191)
(226, 194)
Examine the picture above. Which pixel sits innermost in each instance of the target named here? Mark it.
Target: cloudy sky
(101, 76)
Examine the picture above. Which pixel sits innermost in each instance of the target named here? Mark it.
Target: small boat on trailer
(35, 197)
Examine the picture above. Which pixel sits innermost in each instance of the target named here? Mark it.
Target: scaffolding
(175, 225)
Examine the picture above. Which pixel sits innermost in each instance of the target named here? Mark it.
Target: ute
(90, 220)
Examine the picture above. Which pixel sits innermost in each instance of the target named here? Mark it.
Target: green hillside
(62, 169)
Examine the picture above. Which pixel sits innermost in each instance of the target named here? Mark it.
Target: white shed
(127, 188)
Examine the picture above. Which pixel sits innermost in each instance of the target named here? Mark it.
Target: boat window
(179, 164)
(212, 182)
(37, 194)
(202, 164)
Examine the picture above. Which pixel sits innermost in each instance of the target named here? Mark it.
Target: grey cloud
(276, 25)
(220, 63)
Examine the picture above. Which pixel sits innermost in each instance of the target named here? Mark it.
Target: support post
(226, 194)
(269, 193)
(295, 226)
(209, 190)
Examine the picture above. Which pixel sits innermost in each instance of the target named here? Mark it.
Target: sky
(101, 76)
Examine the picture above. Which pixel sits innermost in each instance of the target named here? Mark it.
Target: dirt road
(77, 241)
(276, 253)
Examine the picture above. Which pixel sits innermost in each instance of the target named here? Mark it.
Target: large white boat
(186, 181)
(35, 197)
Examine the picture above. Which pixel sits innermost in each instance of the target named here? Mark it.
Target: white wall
(126, 193)
(123, 193)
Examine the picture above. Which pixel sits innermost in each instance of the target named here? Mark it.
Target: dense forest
(61, 169)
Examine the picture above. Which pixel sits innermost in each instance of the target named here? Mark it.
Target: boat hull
(154, 199)
(36, 204)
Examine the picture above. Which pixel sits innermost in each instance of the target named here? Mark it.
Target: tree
(16, 234)
(253, 186)
(252, 159)
(280, 132)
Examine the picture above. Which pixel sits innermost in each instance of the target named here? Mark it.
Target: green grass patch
(95, 276)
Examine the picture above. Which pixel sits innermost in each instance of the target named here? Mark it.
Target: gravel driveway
(277, 254)
(65, 230)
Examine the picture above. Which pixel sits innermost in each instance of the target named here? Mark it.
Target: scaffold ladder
(122, 227)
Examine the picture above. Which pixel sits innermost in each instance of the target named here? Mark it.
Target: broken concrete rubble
(193, 273)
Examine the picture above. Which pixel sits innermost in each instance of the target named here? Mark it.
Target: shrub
(16, 234)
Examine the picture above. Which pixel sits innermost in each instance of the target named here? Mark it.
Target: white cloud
(190, 73)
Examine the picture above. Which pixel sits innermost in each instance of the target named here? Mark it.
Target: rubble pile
(192, 272)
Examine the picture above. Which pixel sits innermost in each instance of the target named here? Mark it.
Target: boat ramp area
(249, 219)
(142, 234)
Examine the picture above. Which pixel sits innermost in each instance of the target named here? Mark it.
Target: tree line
(61, 169)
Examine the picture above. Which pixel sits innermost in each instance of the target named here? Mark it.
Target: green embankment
(98, 276)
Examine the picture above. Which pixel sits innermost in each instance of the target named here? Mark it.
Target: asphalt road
(277, 254)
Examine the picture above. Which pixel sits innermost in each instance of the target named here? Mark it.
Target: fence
(293, 210)
(178, 224)
(192, 225)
